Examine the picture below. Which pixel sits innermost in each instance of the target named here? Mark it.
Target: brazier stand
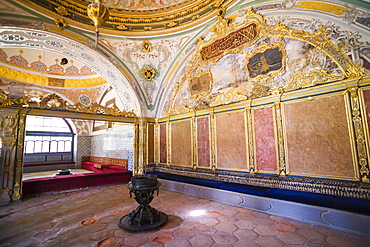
(144, 217)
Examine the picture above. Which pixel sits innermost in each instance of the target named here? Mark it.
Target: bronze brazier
(144, 217)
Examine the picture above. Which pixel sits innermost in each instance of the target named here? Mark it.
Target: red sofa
(104, 164)
(103, 174)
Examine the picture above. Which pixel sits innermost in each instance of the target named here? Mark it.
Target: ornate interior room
(263, 105)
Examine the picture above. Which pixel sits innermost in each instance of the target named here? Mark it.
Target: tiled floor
(89, 217)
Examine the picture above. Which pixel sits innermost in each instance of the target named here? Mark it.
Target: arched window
(48, 140)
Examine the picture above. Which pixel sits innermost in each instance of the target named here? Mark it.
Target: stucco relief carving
(243, 56)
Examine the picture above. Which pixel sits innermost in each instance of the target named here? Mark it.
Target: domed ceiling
(146, 53)
(136, 17)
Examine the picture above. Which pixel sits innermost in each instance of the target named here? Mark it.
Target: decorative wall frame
(232, 38)
(267, 61)
(201, 83)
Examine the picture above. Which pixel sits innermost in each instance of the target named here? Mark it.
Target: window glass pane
(68, 146)
(46, 124)
(53, 147)
(60, 146)
(29, 146)
(45, 144)
(38, 146)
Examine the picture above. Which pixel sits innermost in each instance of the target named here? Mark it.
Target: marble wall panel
(203, 142)
(265, 139)
(163, 143)
(113, 143)
(318, 141)
(181, 144)
(151, 143)
(367, 105)
(231, 141)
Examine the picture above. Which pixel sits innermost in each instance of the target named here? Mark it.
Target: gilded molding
(313, 78)
(223, 99)
(259, 91)
(359, 135)
(54, 102)
(251, 140)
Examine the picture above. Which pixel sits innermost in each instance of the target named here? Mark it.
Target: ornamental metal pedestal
(144, 217)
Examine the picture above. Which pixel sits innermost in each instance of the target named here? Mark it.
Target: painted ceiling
(155, 57)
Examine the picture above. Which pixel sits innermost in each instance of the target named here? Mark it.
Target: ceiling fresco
(161, 58)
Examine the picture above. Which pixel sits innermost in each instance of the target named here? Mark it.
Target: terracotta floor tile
(55, 220)
(224, 238)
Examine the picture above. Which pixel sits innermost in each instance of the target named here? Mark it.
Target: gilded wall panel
(265, 139)
(163, 143)
(151, 143)
(318, 141)
(181, 143)
(203, 142)
(231, 147)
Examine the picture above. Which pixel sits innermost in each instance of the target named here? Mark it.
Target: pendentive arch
(35, 39)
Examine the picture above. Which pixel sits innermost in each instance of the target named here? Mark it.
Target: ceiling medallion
(148, 73)
(146, 46)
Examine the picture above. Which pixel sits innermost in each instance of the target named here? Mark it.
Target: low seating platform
(338, 202)
(103, 174)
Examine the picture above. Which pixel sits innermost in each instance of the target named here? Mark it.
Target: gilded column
(9, 131)
(194, 141)
(282, 167)
(17, 190)
(135, 168)
(250, 142)
(213, 141)
(168, 125)
(156, 143)
(141, 143)
(361, 144)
